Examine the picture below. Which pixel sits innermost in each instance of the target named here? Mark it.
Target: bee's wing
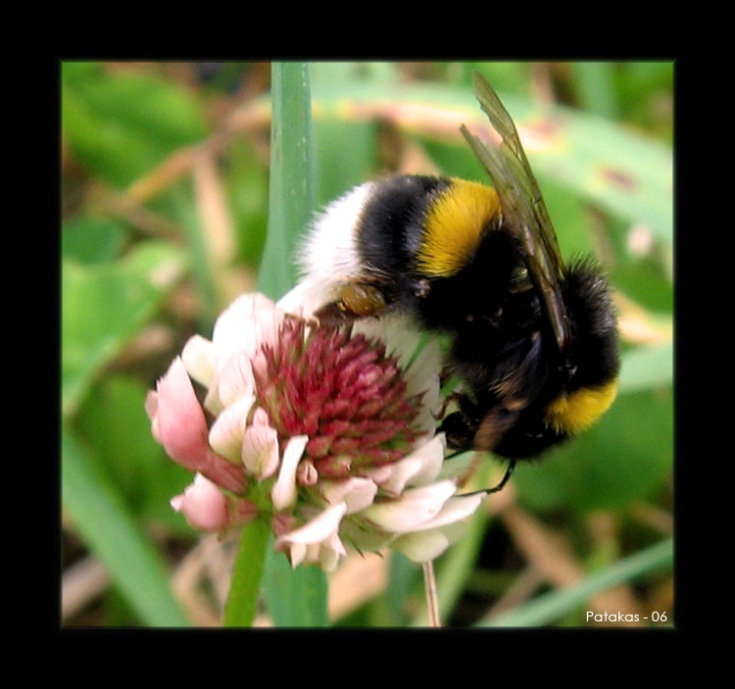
(524, 210)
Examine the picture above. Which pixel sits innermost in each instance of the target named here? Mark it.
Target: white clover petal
(297, 553)
(422, 546)
(198, 356)
(330, 553)
(456, 509)
(235, 379)
(227, 431)
(424, 369)
(423, 378)
(362, 536)
(260, 451)
(245, 324)
(308, 296)
(319, 529)
(415, 507)
(402, 471)
(433, 537)
(432, 460)
(421, 467)
(356, 493)
(283, 493)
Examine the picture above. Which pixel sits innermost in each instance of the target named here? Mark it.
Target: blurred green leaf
(102, 306)
(646, 368)
(247, 186)
(113, 422)
(100, 515)
(335, 171)
(90, 239)
(120, 125)
(596, 89)
(625, 173)
(294, 597)
(623, 459)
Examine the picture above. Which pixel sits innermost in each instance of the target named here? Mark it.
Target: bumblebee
(533, 340)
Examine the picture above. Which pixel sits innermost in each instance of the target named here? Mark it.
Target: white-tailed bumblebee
(533, 340)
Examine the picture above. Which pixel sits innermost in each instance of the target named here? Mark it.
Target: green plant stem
(242, 602)
(291, 201)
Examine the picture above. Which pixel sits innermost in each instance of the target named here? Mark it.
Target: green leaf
(120, 125)
(113, 422)
(100, 515)
(625, 458)
(646, 368)
(102, 306)
(92, 240)
(623, 172)
(291, 200)
(295, 597)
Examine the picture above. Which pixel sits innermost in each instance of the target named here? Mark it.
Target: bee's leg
(508, 474)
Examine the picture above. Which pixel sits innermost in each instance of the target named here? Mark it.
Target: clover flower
(327, 433)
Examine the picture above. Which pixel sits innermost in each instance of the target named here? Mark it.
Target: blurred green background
(165, 178)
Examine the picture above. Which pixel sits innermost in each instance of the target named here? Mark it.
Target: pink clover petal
(178, 421)
(415, 507)
(203, 505)
(260, 451)
(260, 417)
(283, 493)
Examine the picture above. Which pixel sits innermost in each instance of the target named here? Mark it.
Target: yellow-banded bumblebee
(534, 341)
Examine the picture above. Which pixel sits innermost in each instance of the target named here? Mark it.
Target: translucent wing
(524, 210)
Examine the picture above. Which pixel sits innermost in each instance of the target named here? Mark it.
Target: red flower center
(342, 391)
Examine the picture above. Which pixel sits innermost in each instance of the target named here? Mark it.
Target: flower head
(327, 433)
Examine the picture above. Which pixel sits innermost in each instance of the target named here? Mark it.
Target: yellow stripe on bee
(454, 225)
(579, 410)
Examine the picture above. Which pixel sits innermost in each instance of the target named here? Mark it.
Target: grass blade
(552, 606)
(112, 533)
